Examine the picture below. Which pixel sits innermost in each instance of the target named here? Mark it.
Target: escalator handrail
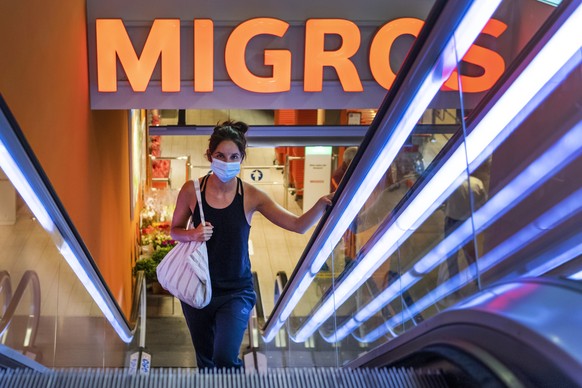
(260, 311)
(29, 279)
(256, 318)
(280, 283)
(136, 302)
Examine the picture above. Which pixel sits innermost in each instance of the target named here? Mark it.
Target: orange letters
(492, 63)
(316, 57)
(112, 42)
(382, 43)
(234, 56)
(203, 55)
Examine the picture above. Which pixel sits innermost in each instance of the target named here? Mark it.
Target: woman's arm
(185, 204)
(284, 218)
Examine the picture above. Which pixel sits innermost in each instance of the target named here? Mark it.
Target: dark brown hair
(229, 130)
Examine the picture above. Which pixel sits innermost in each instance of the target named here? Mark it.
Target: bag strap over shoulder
(199, 198)
(204, 181)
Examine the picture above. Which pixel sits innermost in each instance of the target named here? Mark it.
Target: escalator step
(293, 378)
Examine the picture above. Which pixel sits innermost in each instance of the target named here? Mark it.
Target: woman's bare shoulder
(188, 187)
(188, 193)
(256, 197)
(252, 190)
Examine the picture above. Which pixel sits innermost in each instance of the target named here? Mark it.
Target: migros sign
(113, 46)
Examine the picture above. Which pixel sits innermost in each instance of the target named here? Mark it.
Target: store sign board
(192, 65)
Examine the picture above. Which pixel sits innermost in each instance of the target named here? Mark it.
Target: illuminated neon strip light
(548, 62)
(533, 176)
(556, 262)
(464, 35)
(556, 215)
(553, 3)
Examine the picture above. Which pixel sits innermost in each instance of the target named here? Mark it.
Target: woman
(229, 204)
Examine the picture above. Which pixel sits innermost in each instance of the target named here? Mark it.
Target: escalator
(466, 271)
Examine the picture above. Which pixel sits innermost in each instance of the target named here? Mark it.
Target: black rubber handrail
(280, 283)
(136, 302)
(259, 303)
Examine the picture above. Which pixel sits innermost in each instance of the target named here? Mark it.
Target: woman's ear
(208, 156)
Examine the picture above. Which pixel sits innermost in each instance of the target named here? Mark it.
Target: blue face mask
(224, 171)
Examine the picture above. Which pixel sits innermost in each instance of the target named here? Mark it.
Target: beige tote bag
(184, 270)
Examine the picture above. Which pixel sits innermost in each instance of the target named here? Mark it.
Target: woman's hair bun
(237, 126)
(229, 130)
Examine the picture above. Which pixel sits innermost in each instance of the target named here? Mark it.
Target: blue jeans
(217, 330)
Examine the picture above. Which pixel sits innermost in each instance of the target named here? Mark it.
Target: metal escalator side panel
(523, 331)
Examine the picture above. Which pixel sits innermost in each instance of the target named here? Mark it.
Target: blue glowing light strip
(549, 61)
(553, 3)
(475, 18)
(556, 215)
(556, 262)
(77, 261)
(533, 176)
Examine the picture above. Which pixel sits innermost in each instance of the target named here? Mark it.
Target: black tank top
(228, 248)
